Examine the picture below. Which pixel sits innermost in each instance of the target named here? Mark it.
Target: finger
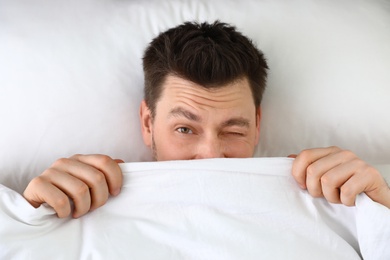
(334, 179)
(350, 190)
(349, 179)
(330, 172)
(305, 159)
(322, 169)
(379, 192)
(292, 156)
(108, 167)
(73, 187)
(48, 193)
(90, 181)
(368, 180)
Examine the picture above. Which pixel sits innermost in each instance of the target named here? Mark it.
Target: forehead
(235, 94)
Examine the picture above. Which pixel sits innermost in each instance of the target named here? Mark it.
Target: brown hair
(210, 55)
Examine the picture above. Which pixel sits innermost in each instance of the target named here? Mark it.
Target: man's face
(192, 122)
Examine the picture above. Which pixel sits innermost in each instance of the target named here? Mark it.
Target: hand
(339, 176)
(86, 179)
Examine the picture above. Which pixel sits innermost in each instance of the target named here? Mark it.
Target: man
(203, 88)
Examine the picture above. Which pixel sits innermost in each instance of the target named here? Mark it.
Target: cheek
(170, 147)
(239, 148)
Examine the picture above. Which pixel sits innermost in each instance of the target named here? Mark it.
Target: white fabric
(204, 209)
(71, 76)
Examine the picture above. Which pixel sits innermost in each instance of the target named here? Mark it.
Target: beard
(154, 148)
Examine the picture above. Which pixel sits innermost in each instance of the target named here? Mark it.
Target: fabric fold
(203, 209)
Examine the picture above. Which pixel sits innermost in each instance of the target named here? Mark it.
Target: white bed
(71, 82)
(205, 209)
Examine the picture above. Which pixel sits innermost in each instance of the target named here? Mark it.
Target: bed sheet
(203, 209)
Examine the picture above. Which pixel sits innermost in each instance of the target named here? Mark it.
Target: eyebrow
(239, 121)
(179, 111)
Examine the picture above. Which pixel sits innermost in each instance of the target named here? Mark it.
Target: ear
(258, 119)
(145, 117)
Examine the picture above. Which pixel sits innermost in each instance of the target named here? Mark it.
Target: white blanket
(204, 209)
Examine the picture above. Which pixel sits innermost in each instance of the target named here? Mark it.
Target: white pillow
(71, 76)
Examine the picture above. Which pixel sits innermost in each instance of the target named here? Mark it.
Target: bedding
(71, 82)
(202, 209)
(71, 76)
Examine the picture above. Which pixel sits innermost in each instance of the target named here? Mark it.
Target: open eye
(184, 130)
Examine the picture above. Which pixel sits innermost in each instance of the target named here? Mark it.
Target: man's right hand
(87, 180)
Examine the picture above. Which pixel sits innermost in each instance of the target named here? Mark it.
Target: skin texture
(194, 123)
(339, 176)
(86, 179)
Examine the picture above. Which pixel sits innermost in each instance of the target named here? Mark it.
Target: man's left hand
(339, 176)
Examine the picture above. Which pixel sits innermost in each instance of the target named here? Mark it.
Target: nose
(210, 148)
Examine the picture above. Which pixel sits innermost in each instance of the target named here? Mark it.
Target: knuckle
(311, 171)
(104, 160)
(99, 178)
(334, 148)
(347, 196)
(81, 190)
(360, 164)
(347, 154)
(296, 174)
(329, 180)
(373, 172)
(38, 181)
(326, 180)
(47, 173)
(60, 162)
(61, 204)
(305, 154)
(75, 156)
